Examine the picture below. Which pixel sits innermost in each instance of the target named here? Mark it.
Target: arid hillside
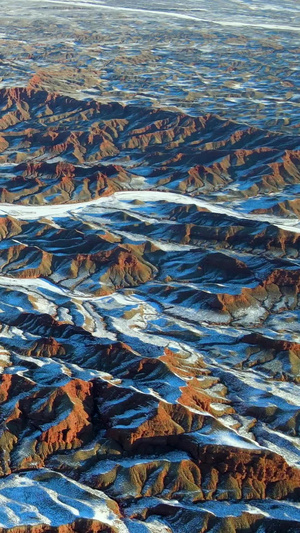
(149, 320)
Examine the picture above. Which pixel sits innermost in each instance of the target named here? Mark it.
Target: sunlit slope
(149, 315)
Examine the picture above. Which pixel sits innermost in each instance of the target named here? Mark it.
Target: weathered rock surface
(149, 320)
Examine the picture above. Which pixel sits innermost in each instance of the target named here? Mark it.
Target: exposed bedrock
(149, 320)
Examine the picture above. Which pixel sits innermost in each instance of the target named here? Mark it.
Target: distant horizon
(149, 266)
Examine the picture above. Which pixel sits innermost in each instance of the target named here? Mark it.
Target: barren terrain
(149, 267)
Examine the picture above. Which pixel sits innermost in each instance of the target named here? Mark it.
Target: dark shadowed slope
(149, 320)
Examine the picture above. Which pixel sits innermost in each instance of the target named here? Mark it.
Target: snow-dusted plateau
(149, 266)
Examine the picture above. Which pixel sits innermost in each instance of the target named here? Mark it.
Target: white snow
(45, 497)
(175, 15)
(121, 201)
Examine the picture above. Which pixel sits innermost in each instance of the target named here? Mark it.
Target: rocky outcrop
(149, 298)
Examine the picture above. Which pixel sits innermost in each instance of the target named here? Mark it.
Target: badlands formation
(149, 272)
(149, 320)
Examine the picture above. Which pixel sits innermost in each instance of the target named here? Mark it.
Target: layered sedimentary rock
(149, 324)
(225, 57)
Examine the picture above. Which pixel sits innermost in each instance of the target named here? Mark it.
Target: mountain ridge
(149, 298)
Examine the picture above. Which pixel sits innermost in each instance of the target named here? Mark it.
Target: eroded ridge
(149, 315)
